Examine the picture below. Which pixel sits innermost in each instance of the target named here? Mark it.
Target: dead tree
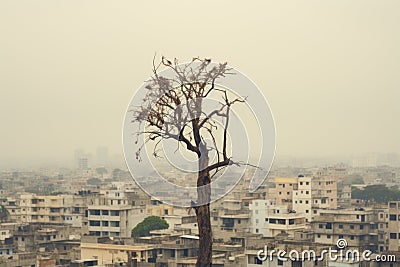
(173, 109)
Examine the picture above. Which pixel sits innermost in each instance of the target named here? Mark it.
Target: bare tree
(173, 109)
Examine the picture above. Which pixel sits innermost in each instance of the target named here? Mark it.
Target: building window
(94, 212)
(280, 263)
(94, 223)
(340, 226)
(393, 236)
(392, 217)
(114, 213)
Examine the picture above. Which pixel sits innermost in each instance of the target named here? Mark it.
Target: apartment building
(229, 217)
(314, 194)
(394, 225)
(282, 193)
(270, 219)
(68, 209)
(13, 208)
(157, 208)
(45, 209)
(361, 228)
(113, 215)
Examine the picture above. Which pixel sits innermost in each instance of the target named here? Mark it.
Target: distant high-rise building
(102, 156)
(83, 163)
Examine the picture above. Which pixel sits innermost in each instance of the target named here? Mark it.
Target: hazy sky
(330, 69)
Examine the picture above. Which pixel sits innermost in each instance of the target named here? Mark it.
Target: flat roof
(189, 236)
(116, 247)
(286, 180)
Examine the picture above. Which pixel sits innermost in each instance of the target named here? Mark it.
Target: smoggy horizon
(329, 70)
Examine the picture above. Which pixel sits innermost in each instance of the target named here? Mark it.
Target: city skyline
(328, 70)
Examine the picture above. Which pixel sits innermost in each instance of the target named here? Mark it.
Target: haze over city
(69, 68)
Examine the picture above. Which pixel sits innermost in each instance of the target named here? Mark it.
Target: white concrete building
(313, 194)
(113, 215)
(271, 220)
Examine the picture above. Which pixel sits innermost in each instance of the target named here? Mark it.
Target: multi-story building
(43, 209)
(361, 228)
(13, 208)
(68, 209)
(271, 220)
(394, 225)
(313, 194)
(282, 193)
(113, 215)
(230, 217)
(157, 208)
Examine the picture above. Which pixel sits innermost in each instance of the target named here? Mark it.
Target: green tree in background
(376, 193)
(94, 181)
(149, 224)
(353, 179)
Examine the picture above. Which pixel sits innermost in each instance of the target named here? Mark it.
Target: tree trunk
(204, 258)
